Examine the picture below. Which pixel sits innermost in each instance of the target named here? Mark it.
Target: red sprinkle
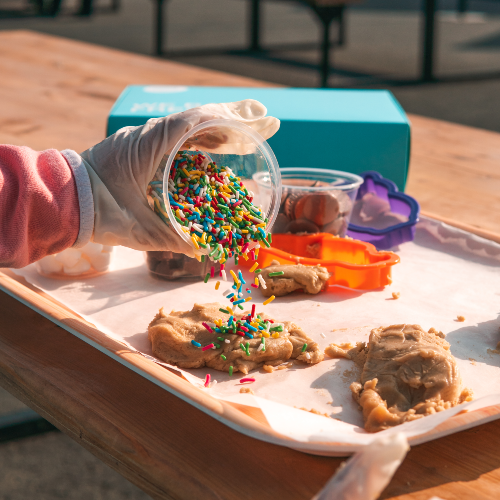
(253, 310)
(207, 380)
(212, 272)
(254, 285)
(244, 328)
(209, 346)
(207, 327)
(243, 380)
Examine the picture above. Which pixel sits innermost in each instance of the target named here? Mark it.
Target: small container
(314, 200)
(91, 260)
(219, 141)
(173, 266)
(382, 215)
(352, 263)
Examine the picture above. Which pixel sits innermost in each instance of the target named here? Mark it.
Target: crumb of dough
(407, 373)
(316, 412)
(460, 318)
(339, 350)
(284, 366)
(494, 351)
(472, 360)
(268, 368)
(310, 279)
(247, 390)
(436, 332)
(396, 295)
(171, 336)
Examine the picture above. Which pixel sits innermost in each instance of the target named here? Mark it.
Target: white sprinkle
(323, 335)
(307, 355)
(261, 346)
(227, 292)
(213, 384)
(262, 282)
(224, 277)
(226, 341)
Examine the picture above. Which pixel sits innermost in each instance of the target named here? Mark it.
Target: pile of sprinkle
(213, 207)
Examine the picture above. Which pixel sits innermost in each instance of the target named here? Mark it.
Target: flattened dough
(312, 279)
(407, 373)
(171, 336)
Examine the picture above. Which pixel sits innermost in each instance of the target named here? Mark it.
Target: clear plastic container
(91, 260)
(231, 144)
(314, 200)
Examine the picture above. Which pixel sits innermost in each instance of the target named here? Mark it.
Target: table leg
(254, 25)
(325, 54)
(158, 47)
(23, 424)
(428, 40)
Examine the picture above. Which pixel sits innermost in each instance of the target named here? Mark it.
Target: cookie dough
(171, 336)
(406, 374)
(311, 279)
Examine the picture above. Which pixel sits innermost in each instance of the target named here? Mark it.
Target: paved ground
(382, 50)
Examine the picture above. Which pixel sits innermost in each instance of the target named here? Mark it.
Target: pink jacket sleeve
(39, 209)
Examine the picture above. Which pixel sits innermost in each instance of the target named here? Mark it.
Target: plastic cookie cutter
(381, 214)
(352, 263)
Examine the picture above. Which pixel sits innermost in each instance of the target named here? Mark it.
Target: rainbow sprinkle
(213, 207)
(270, 299)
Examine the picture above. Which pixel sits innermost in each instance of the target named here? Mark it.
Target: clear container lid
(232, 144)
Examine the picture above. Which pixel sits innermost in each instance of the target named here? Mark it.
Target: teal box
(350, 130)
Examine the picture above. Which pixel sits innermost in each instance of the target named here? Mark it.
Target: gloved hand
(121, 167)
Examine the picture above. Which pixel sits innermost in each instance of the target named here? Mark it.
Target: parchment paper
(445, 272)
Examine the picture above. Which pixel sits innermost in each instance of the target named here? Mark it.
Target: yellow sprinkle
(229, 309)
(217, 285)
(194, 172)
(260, 225)
(209, 239)
(244, 230)
(257, 279)
(203, 237)
(276, 335)
(245, 256)
(239, 219)
(270, 299)
(197, 210)
(254, 267)
(176, 197)
(185, 171)
(234, 276)
(265, 334)
(248, 298)
(222, 260)
(226, 227)
(195, 243)
(256, 253)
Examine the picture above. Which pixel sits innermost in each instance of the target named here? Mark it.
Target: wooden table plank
(57, 93)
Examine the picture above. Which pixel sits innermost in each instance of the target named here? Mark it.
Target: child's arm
(39, 205)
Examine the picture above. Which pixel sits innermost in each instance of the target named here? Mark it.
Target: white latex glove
(368, 472)
(121, 167)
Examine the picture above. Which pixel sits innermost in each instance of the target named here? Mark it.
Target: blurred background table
(56, 93)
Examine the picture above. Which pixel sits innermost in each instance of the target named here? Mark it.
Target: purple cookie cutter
(400, 204)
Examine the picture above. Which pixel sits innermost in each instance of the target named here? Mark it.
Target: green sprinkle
(223, 357)
(202, 245)
(207, 277)
(221, 339)
(203, 258)
(277, 273)
(177, 219)
(269, 238)
(225, 311)
(241, 307)
(230, 370)
(217, 345)
(276, 329)
(257, 271)
(242, 347)
(247, 346)
(263, 342)
(304, 347)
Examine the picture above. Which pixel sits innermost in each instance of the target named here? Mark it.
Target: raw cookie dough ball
(302, 226)
(320, 208)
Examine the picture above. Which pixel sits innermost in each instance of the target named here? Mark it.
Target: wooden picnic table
(56, 93)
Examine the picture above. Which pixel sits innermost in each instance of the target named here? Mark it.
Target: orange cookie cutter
(352, 263)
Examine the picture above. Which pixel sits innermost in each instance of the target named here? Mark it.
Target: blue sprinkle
(250, 327)
(249, 291)
(230, 320)
(236, 302)
(248, 335)
(208, 197)
(197, 192)
(196, 344)
(231, 295)
(234, 287)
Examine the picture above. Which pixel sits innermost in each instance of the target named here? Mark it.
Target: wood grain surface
(57, 93)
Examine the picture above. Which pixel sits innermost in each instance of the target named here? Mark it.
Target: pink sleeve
(39, 210)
